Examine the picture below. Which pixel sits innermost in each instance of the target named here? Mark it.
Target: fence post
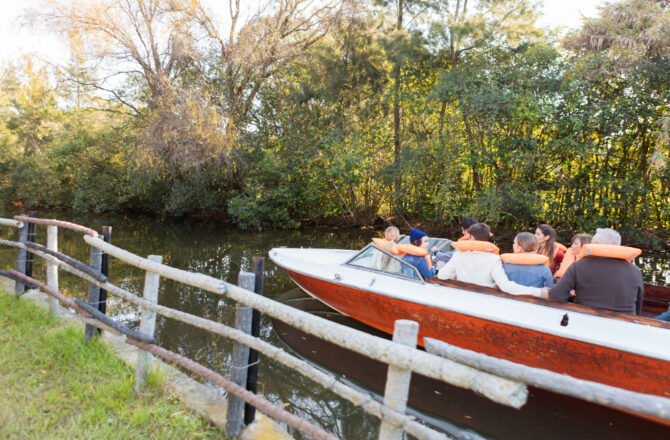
(31, 238)
(147, 324)
(21, 255)
(52, 269)
(93, 291)
(397, 381)
(252, 373)
(104, 269)
(239, 365)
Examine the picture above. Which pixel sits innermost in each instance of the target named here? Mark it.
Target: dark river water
(212, 248)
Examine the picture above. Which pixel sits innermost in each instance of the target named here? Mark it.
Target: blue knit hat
(416, 234)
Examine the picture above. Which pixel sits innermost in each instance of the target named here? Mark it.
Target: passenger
(382, 261)
(465, 225)
(665, 316)
(604, 281)
(482, 267)
(419, 259)
(571, 254)
(525, 266)
(546, 237)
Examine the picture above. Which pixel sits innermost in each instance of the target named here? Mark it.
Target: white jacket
(483, 269)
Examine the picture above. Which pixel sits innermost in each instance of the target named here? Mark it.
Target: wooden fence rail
(366, 401)
(500, 383)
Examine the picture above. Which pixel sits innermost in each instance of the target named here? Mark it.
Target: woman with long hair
(546, 238)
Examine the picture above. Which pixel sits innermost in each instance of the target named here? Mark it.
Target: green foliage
(493, 121)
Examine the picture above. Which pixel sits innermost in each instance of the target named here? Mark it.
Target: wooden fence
(506, 385)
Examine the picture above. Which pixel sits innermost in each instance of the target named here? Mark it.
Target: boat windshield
(441, 244)
(373, 258)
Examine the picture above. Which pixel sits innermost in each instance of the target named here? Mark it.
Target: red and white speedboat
(625, 351)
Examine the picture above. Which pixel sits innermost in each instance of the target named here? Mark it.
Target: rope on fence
(13, 277)
(56, 256)
(10, 222)
(501, 390)
(328, 381)
(95, 313)
(69, 260)
(259, 402)
(59, 223)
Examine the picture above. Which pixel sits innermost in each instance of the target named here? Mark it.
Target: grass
(55, 386)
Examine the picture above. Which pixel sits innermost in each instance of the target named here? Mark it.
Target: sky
(17, 40)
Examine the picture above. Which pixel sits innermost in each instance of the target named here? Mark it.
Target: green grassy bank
(55, 386)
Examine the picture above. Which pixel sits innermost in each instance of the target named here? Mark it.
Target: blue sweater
(537, 275)
(421, 264)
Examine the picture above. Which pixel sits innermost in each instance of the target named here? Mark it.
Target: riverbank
(54, 385)
(650, 241)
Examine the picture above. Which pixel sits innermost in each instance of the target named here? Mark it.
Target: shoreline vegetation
(54, 385)
(654, 241)
(297, 115)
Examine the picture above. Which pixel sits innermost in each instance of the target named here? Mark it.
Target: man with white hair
(602, 282)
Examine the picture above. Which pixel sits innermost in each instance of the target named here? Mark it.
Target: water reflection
(210, 247)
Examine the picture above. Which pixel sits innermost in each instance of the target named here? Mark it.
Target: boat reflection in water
(460, 412)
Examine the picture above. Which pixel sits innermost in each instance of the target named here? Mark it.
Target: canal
(210, 247)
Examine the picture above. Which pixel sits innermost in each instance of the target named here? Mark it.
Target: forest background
(292, 112)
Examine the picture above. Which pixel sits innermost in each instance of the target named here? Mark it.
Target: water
(210, 247)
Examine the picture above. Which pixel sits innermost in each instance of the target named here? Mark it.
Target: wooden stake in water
(147, 324)
(93, 290)
(252, 374)
(52, 269)
(397, 381)
(104, 268)
(238, 368)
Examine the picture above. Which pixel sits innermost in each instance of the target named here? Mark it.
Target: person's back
(525, 267)
(606, 283)
(536, 275)
(474, 267)
(601, 281)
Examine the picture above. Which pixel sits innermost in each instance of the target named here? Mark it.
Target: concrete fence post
(21, 255)
(52, 269)
(93, 290)
(147, 324)
(239, 365)
(397, 380)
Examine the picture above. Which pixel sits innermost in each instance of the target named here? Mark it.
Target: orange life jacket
(402, 249)
(568, 259)
(524, 258)
(388, 246)
(476, 245)
(610, 251)
(465, 236)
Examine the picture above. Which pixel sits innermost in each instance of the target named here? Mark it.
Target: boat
(630, 352)
(452, 409)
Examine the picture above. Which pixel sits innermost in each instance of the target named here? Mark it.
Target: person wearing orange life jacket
(578, 240)
(382, 261)
(419, 257)
(603, 276)
(477, 262)
(546, 237)
(525, 266)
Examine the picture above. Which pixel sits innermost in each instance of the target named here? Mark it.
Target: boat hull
(576, 358)
(544, 415)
